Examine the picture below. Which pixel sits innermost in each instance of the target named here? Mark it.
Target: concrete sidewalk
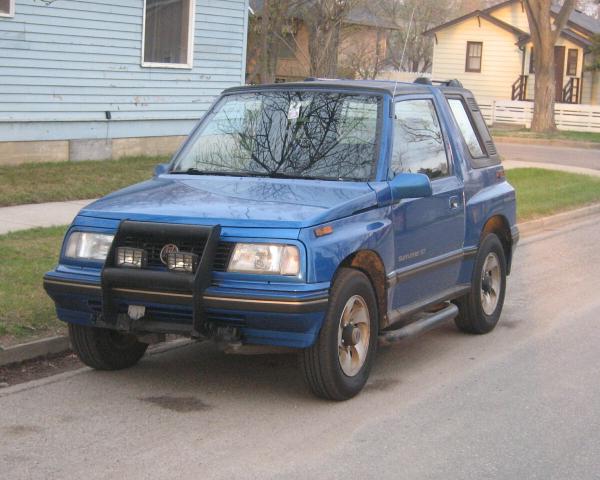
(23, 217)
(508, 164)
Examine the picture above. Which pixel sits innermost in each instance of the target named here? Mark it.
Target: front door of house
(559, 71)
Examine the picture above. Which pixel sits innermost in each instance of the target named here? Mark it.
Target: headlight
(265, 258)
(88, 245)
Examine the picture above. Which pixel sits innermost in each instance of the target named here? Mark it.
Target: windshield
(298, 134)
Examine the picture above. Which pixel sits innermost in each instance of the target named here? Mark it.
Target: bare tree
(409, 49)
(266, 35)
(324, 20)
(545, 31)
(364, 60)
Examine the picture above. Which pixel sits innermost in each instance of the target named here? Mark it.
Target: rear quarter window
(481, 150)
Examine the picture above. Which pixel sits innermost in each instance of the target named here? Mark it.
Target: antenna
(407, 34)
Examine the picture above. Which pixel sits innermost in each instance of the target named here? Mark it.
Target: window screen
(418, 141)
(466, 127)
(167, 31)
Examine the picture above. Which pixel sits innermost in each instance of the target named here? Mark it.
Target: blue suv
(327, 216)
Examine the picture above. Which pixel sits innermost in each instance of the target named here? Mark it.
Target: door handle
(454, 202)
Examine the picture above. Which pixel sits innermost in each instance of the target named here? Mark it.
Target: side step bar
(423, 323)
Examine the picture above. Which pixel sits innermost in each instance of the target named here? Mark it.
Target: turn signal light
(322, 231)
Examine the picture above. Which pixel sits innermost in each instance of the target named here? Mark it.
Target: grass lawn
(53, 182)
(558, 135)
(26, 312)
(544, 192)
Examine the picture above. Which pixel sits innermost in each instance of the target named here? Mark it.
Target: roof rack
(445, 83)
(317, 79)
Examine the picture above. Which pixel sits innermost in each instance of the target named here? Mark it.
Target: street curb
(558, 220)
(55, 345)
(547, 142)
(31, 350)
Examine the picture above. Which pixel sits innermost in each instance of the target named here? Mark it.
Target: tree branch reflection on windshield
(303, 134)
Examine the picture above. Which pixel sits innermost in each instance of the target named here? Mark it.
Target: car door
(428, 232)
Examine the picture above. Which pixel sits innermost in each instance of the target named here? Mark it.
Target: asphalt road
(520, 403)
(576, 157)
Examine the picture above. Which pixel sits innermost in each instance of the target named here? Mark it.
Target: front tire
(480, 309)
(337, 366)
(105, 349)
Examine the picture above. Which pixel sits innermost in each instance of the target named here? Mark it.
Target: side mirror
(160, 169)
(410, 185)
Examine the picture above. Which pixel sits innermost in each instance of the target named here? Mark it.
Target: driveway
(576, 157)
(521, 402)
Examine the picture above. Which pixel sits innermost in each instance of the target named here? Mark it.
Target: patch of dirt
(16, 373)
(20, 430)
(178, 404)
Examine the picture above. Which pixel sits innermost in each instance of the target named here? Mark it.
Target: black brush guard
(147, 280)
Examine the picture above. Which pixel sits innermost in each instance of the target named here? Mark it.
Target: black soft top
(376, 86)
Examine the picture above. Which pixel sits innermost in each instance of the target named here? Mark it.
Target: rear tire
(337, 366)
(105, 349)
(480, 309)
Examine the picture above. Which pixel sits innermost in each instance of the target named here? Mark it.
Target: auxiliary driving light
(131, 257)
(182, 261)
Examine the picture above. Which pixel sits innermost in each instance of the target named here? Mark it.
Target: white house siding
(513, 14)
(64, 63)
(501, 58)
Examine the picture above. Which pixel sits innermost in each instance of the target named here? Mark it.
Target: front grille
(153, 245)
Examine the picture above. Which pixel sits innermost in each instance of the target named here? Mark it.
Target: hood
(235, 201)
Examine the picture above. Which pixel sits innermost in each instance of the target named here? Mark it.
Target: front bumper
(291, 319)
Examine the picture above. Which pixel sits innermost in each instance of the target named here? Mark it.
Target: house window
(531, 62)
(7, 8)
(168, 33)
(572, 62)
(473, 63)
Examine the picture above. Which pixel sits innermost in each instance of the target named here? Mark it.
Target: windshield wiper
(195, 171)
(307, 177)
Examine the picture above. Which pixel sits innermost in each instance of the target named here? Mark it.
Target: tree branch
(562, 18)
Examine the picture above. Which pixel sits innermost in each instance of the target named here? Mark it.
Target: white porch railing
(583, 118)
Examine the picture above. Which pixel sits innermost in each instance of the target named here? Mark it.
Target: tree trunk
(545, 89)
(544, 34)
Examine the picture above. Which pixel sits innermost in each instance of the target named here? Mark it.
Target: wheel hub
(491, 283)
(354, 335)
(350, 335)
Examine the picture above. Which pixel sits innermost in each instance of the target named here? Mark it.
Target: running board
(424, 322)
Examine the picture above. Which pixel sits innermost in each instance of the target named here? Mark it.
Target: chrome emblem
(168, 248)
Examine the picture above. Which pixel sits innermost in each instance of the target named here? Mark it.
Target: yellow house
(490, 52)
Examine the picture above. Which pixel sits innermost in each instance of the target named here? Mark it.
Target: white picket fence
(583, 118)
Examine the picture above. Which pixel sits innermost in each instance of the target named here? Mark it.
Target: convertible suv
(327, 216)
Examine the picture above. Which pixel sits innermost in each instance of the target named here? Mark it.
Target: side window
(418, 141)
(466, 127)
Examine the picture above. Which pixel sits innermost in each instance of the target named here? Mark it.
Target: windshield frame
(379, 95)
